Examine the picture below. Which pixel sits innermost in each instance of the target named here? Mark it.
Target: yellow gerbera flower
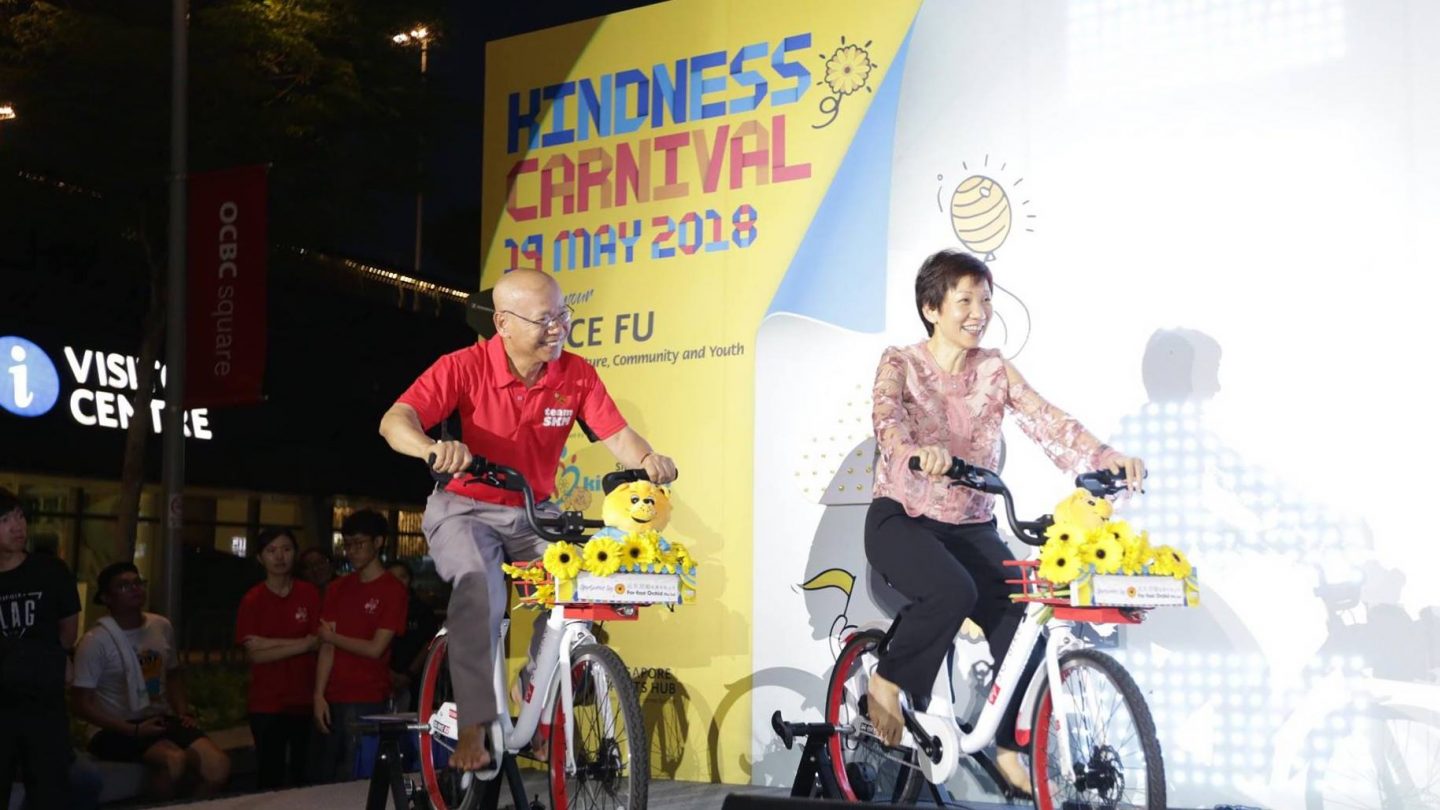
(1065, 533)
(544, 596)
(1137, 554)
(682, 556)
(1162, 563)
(529, 573)
(1173, 561)
(562, 560)
(602, 556)
(1059, 561)
(667, 561)
(637, 550)
(1120, 530)
(1103, 551)
(848, 70)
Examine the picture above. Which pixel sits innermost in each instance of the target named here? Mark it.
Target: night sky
(452, 203)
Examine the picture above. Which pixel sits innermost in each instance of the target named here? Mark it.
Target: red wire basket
(1042, 591)
(1032, 587)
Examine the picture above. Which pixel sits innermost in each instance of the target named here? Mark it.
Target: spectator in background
(130, 688)
(408, 658)
(317, 568)
(277, 624)
(39, 618)
(364, 611)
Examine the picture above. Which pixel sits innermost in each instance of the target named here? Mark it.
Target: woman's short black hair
(939, 274)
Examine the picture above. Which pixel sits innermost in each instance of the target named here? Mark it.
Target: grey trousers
(469, 539)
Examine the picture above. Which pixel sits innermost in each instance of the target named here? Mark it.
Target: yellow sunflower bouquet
(1091, 560)
(627, 561)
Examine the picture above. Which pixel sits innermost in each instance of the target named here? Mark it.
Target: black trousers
(282, 743)
(35, 747)
(949, 572)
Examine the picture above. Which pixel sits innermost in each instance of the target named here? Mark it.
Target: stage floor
(664, 795)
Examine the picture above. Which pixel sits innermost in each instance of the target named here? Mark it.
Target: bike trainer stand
(815, 778)
(387, 778)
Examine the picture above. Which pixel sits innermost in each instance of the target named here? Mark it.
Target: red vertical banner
(227, 257)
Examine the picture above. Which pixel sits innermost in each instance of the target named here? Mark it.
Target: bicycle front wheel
(609, 763)
(864, 769)
(1115, 755)
(446, 788)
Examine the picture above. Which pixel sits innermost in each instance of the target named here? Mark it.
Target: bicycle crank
(946, 736)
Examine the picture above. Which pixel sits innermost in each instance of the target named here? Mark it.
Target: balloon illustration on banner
(981, 211)
(980, 215)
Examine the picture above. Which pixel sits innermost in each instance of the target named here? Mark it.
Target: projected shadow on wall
(1355, 724)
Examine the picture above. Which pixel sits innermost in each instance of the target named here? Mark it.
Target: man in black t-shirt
(39, 614)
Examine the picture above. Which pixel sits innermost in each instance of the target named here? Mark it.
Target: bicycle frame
(1007, 679)
(562, 634)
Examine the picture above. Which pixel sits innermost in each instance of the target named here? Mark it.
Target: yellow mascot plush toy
(1080, 509)
(638, 506)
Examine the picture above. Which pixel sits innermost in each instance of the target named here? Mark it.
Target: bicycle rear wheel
(611, 753)
(446, 788)
(865, 769)
(1116, 755)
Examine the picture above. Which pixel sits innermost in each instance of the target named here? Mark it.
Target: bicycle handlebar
(568, 526)
(1100, 483)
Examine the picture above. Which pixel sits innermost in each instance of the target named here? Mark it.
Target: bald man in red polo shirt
(518, 394)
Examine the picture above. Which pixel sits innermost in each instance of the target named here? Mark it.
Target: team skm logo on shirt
(301, 614)
(558, 417)
(372, 606)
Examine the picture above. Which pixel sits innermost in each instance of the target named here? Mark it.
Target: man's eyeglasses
(560, 319)
(131, 585)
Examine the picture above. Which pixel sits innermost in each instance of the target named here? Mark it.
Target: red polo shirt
(284, 686)
(507, 423)
(359, 609)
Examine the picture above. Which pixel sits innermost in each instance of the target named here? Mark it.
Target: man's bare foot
(470, 753)
(1010, 767)
(884, 700)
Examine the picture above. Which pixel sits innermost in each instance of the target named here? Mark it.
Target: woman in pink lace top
(938, 544)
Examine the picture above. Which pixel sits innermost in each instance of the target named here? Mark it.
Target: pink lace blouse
(916, 403)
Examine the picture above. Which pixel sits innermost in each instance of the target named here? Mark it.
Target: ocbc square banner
(227, 254)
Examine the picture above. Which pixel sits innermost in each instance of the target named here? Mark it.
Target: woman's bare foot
(470, 753)
(884, 700)
(1010, 767)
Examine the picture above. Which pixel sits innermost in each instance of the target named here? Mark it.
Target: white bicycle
(580, 697)
(1092, 740)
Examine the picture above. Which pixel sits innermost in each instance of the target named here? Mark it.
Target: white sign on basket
(1115, 590)
(649, 589)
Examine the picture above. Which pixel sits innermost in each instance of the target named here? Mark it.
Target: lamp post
(418, 36)
(7, 112)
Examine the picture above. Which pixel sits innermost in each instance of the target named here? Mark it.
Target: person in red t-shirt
(277, 623)
(364, 611)
(518, 395)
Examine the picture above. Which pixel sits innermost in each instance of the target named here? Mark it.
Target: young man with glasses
(363, 613)
(129, 687)
(518, 394)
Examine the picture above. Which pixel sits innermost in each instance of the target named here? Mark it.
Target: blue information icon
(29, 384)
